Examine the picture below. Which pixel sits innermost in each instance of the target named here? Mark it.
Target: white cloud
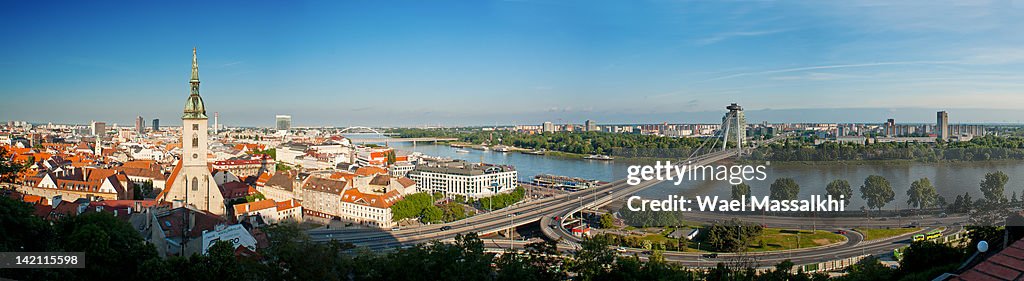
(821, 67)
(730, 35)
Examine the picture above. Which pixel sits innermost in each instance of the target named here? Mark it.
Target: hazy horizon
(822, 115)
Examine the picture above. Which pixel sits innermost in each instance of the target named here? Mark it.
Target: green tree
(740, 190)
(292, 256)
(391, 157)
(8, 169)
(869, 269)
(592, 260)
(411, 206)
(607, 221)
(924, 255)
(877, 192)
(108, 243)
(146, 188)
(922, 194)
(254, 197)
(838, 188)
(539, 262)
(994, 185)
(20, 231)
(432, 214)
(784, 189)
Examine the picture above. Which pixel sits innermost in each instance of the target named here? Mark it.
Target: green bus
(934, 234)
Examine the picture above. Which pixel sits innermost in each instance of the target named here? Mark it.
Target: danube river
(949, 179)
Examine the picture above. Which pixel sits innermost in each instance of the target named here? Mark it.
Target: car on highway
(621, 249)
(843, 232)
(710, 256)
(396, 228)
(447, 227)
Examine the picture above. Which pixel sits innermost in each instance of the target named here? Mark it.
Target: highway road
(543, 210)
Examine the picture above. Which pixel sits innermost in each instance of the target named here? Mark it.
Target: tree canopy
(784, 189)
(838, 188)
(877, 191)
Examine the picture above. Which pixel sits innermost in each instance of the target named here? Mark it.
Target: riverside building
(458, 177)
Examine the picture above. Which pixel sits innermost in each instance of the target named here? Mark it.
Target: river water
(949, 179)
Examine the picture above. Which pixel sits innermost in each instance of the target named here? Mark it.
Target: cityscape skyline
(646, 62)
(772, 116)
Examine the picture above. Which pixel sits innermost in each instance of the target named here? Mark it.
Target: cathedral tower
(192, 182)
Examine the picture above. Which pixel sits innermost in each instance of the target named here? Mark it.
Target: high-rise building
(591, 127)
(156, 125)
(284, 122)
(942, 125)
(98, 128)
(548, 127)
(216, 120)
(890, 127)
(734, 126)
(191, 182)
(139, 127)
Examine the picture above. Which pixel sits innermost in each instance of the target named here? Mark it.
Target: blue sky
(513, 62)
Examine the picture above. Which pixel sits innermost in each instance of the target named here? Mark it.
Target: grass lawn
(879, 233)
(656, 238)
(784, 239)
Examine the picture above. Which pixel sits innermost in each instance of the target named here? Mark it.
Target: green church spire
(194, 108)
(195, 67)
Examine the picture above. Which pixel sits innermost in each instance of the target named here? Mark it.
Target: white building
(463, 178)
(269, 210)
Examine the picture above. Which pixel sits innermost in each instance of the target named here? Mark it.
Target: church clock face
(195, 156)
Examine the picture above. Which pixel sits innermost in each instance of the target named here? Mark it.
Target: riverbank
(895, 163)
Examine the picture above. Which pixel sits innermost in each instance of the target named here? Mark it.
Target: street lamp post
(581, 208)
(511, 228)
(698, 254)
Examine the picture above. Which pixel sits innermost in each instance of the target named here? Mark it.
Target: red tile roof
(381, 201)
(342, 176)
(285, 205)
(324, 185)
(235, 189)
(34, 199)
(371, 170)
(172, 222)
(1008, 264)
(406, 182)
(42, 211)
(170, 181)
(253, 206)
(141, 164)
